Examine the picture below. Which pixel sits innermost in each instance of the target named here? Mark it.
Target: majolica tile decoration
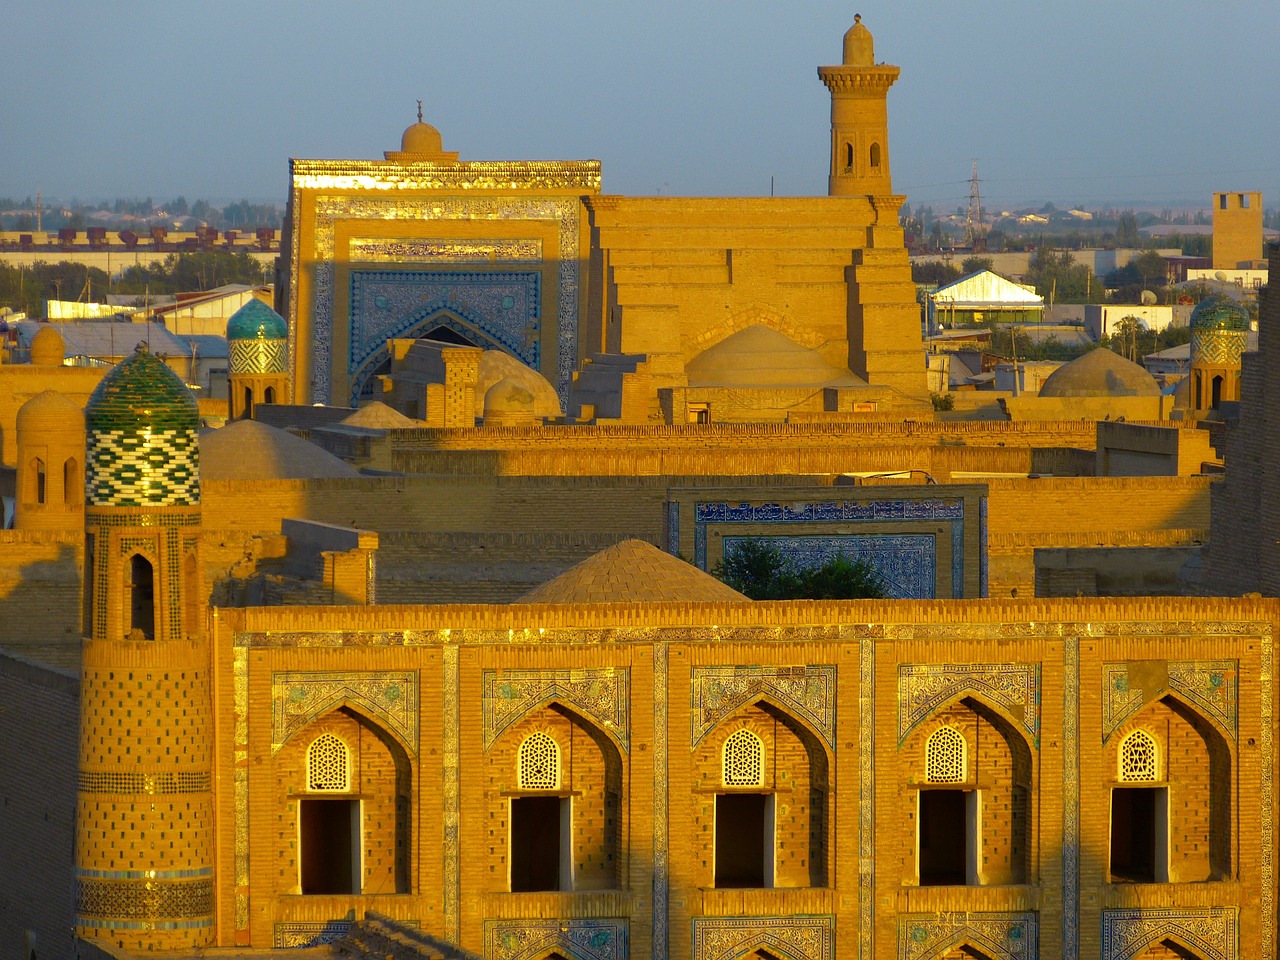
(143, 446)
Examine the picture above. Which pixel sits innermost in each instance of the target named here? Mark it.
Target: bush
(760, 572)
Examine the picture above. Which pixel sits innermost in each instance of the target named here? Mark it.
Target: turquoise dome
(142, 440)
(255, 319)
(1220, 312)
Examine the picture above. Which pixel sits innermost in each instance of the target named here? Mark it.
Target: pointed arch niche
(973, 772)
(777, 831)
(557, 782)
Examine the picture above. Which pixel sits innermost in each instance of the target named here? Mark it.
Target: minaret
(859, 118)
(145, 818)
(1219, 334)
(258, 371)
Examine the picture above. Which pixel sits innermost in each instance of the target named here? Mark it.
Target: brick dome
(142, 445)
(49, 412)
(47, 347)
(1100, 373)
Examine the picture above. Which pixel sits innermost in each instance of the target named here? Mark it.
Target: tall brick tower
(145, 819)
(258, 372)
(50, 494)
(859, 118)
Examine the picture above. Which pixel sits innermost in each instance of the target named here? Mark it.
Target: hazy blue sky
(1091, 102)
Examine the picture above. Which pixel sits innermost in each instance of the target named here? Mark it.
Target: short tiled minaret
(258, 354)
(145, 821)
(1219, 333)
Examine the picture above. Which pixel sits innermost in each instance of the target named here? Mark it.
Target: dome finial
(419, 111)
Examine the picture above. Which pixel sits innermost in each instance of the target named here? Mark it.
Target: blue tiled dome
(255, 319)
(1220, 312)
(142, 443)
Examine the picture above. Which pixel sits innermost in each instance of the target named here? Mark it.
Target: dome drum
(257, 356)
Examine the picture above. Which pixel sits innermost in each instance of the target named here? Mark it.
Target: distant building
(983, 297)
(1237, 229)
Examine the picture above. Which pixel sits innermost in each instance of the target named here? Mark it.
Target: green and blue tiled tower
(258, 348)
(145, 819)
(1219, 334)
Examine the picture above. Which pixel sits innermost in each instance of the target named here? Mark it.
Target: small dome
(421, 138)
(1100, 373)
(497, 365)
(142, 447)
(760, 356)
(50, 412)
(632, 571)
(256, 320)
(378, 416)
(507, 403)
(47, 347)
(859, 45)
(141, 391)
(1220, 312)
(250, 450)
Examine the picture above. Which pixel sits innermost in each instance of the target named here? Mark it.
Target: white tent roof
(986, 289)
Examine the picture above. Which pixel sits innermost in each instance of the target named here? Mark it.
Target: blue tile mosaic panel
(503, 307)
(905, 563)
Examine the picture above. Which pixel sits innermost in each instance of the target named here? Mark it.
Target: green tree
(759, 571)
(1057, 277)
(976, 265)
(1127, 230)
(934, 271)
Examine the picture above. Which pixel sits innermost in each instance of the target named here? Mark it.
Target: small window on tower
(875, 156)
(848, 158)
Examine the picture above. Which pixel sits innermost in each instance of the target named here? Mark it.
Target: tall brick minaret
(145, 818)
(859, 118)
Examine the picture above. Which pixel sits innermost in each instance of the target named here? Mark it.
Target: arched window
(71, 482)
(38, 479)
(141, 605)
(1139, 759)
(875, 156)
(539, 763)
(743, 760)
(946, 756)
(328, 764)
(269, 395)
(248, 402)
(848, 158)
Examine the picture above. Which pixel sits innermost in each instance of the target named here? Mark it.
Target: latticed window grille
(946, 756)
(328, 764)
(539, 762)
(1139, 759)
(743, 760)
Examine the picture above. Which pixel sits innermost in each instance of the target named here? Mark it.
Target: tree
(976, 265)
(934, 271)
(759, 571)
(1056, 276)
(1127, 230)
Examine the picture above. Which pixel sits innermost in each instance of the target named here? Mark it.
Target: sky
(1094, 103)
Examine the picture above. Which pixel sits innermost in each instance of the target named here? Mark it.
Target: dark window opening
(539, 828)
(447, 335)
(1215, 392)
(744, 840)
(269, 395)
(875, 156)
(1244, 201)
(330, 834)
(848, 157)
(1222, 202)
(1138, 841)
(41, 479)
(946, 837)
(248, 401)
(142, 599)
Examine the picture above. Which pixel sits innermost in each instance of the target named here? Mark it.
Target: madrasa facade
(280, 747)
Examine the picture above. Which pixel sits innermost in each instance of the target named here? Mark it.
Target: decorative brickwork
(809, 691)
(600, 695)
(258, 356)
(1002, 936)
(1211, 931)
(791, 938)
(297, 698)
(923, 688)
(531, 939)
(295, 935)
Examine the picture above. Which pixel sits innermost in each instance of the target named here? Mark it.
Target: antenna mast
(974, 224)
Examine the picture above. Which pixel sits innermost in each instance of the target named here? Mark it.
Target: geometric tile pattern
(1210, 685)
(137, 899)
(258, 356)
(924, 687)
(808, 691)
(577, 939)
(425, 250)
(790, 938)
(504, 308)
(1209, 931)
(1217, 347)
(298, 935)
(299, 697)
(600, 694)
(135, 468)
(1002, 936)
